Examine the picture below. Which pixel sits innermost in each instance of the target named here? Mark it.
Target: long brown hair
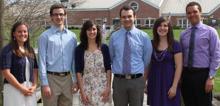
(83, 35)
(29, 52)
(156, 37)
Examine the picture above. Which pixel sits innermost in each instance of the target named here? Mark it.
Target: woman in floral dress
(93, 68)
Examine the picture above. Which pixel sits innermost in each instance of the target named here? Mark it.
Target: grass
(217, 82)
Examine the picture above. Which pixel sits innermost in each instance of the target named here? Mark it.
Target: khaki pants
(61, 91)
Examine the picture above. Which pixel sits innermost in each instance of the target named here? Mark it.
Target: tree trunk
(1, 44)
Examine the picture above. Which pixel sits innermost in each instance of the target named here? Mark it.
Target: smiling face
(127, 18)
(58, 17)
(163, 29)
(92, 33)
(193, 14)
(21, 34)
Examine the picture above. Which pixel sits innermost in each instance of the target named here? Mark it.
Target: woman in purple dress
(165, 68)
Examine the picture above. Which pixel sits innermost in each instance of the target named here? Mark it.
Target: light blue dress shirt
(56, 52)
(141, 50)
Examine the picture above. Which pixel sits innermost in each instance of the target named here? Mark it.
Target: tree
(1, 44)
(33, 12)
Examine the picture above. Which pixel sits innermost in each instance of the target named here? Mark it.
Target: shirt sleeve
(147, 50)
(5, 58)
(106, 56)
(79, 57)
(214, 52)
(35, 62)
(176, 47)
(73, 63)
(111, 49)
(42, 48)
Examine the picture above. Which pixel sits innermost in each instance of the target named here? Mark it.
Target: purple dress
(160, 78)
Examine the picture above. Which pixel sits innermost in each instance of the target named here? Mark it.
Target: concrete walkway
(76, 101)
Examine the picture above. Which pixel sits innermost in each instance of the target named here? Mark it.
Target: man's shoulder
(209, 28)
(141, 32)
(116, 33)
(72, 34)
(46, 32)
(69, 31)
(184, 32)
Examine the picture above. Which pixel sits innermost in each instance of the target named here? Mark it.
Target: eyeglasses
(58, 14)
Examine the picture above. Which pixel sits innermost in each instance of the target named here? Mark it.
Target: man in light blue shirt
(130, 50)
(56, 61)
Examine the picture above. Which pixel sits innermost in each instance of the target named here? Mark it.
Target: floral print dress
(94, 77)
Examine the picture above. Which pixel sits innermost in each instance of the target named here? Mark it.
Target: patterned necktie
(191, 47)
(127, 55)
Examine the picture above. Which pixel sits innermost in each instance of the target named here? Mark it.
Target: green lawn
(176, 36)
(217, 82)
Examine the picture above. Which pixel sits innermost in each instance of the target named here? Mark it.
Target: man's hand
(46, 91)
(75, 87)
(209, 85)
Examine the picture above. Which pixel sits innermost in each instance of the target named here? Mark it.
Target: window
(73, 6)
(182, 22)
(149, 22)
(152, 22)
(134, 5)
(138, 22)
(98, 21)
(115, 21)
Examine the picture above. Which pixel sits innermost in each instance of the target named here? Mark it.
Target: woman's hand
(84, 98)
(145, 89)
(105, 94)
(33, 88)
(172, 92)
(26, 91)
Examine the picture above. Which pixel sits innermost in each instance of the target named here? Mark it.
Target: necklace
(160, 56)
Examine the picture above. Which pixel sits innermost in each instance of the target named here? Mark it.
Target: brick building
(147, 11)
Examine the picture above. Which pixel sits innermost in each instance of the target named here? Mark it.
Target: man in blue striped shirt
(56, 60)
(130, 50)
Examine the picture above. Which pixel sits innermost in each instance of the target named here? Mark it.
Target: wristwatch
(211, 77)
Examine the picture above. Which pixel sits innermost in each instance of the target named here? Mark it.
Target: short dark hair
(126, 8)
(57, 6)
(194, 4)
(83, 35)
(170, 35)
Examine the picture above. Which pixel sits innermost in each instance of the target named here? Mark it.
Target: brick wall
(145, 10)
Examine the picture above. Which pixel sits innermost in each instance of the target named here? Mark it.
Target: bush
(176, 27)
